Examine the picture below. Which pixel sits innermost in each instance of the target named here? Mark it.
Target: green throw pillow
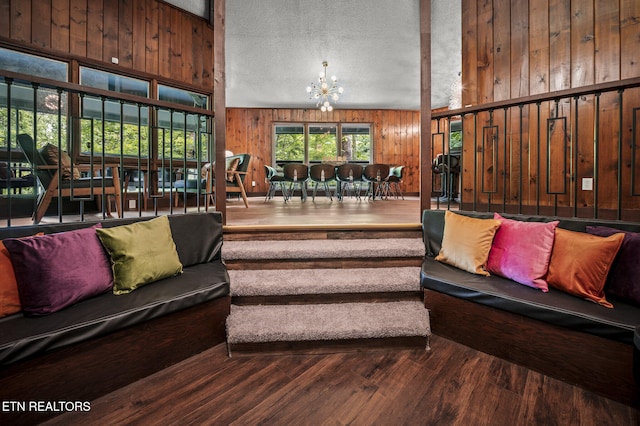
(141, 253)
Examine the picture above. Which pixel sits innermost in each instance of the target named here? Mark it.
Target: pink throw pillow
(521, 251)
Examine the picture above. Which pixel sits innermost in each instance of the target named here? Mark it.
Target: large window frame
(79, 122)
(313, 142)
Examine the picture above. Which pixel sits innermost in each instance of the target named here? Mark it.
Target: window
(356, 142)
(289, 143)
(120, 118)
(323, 143)
(183, 134)
(24, 114)
(315, 143)
(455, 136)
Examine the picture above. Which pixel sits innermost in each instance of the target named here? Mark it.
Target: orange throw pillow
(580, 263)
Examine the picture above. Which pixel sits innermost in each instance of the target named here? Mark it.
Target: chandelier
(324, 92)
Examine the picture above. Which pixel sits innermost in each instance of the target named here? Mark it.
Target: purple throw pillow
(623, 279)
(57, 270)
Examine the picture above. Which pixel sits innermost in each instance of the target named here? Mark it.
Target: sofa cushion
(623, 279)
(141, 253)
(192, 243)
(521, 251)
(57, 270)
(581, 262)
(466, 242)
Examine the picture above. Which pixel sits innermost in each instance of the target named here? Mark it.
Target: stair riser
(327, 346)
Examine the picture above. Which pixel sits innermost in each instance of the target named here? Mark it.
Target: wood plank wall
(396, 137)
(514, 48)
(147, 36)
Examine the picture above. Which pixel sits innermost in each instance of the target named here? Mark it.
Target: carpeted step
(283, 286)
(326, 326)
(332, 253)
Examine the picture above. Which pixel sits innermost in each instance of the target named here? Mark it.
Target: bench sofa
(108, 341)
(555, 333)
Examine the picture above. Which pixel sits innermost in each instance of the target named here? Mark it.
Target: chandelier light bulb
(325, 91)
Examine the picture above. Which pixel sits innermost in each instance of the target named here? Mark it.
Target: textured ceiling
(274, 48)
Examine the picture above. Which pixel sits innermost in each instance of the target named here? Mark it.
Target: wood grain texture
(450, 384)
(395, 134)
(93, 368)
(601, 365)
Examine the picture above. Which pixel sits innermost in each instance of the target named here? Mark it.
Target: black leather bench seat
(554, 307)
(21, 336)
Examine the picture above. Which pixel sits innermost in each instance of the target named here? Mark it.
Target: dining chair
(349, 176)
(295, 174)
(322, 174)
(275, 181)
(375, 175)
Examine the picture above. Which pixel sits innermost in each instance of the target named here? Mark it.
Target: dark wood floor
(449, 385)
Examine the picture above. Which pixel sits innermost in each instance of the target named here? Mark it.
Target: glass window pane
(356, 142)
(185, 135)
(49, 113)
(289, 143)
(182, 97)
(113, 82)
(33, 65)
(323, 143)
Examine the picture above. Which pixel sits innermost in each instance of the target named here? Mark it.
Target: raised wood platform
(600, 365)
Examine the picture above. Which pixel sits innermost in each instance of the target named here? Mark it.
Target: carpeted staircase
(324, 295)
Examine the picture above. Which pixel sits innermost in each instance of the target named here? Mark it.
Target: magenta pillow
(57, 270)
(521, 251)
(623, 280)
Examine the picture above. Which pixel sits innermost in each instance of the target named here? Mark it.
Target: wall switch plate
(587, 184)
(132, 204)
(253, 183)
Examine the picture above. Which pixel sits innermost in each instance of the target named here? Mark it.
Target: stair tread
(283, 282)
(276, 323)
(323, 249)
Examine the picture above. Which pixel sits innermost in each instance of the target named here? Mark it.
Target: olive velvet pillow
(466, 242)
(141, 253)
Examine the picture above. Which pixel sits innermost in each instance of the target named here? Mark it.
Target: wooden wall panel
(629, 38)
(125, 33)
(21, 20)
(41, 26)
(78, 14)
(148, 36)
(151, 37)
(396, 137)
(60, 25)
(5, 19)
(554, 45)
(95, 25)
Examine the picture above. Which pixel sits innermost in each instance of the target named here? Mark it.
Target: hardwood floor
(449, 385)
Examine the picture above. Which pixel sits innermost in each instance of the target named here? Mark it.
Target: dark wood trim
(313, 347)
(323, 263)
(594, 363)
(425, 105)
(302, 299)
(220, 104)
